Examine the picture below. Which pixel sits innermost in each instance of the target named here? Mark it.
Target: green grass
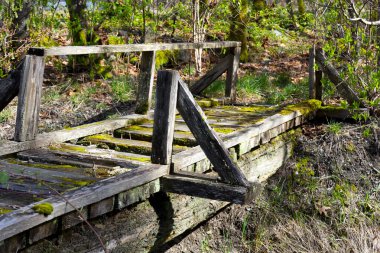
(5, 115)
(270, 90)
(122, 89)
(334, 127)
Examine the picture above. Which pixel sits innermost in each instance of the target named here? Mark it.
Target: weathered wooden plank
(101, 207)
(92, 152)
(42, 231)
(209, 141)
(137, 194)
(146, 78)
(76, 159)
(25, 218)
(43, 174)
(164, 116)
(73, 218)
(202, 188)
(29, 98)
(212, 75)
(139, 147)
(145, 133)
(232, 74)
(46, 139)
(103, 49)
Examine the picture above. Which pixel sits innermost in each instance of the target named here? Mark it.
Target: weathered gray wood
(212, 75)
(42, 174)
(46, 139)
(312, 88)
(146, 78)
(137, 194)
(341, 85)
(29, 98)
(43, 231)
(209, 141)
(77, 50)
(164, 116)
(232, 74)
(76, 159)
(202, 188)
(9, 87)
(101, 207)
(134, 146)
(318, 84)
(25, 218)
(71, 219)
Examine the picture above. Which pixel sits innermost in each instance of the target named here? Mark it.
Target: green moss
(43, 165)
(204, 103)
(5, 210)
(223, 130)
(64, 147)
(134, 158)
(79, 183)
(43, 208)
(304, 108)
(254, 108)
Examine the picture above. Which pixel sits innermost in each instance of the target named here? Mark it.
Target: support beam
(208, 140)
(212, 75)
(164, 116)
(199, 187)
(318, 84)
(232, 75)
(146, 78)
(29, 98)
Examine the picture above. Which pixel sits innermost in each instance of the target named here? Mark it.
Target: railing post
(312, 88)
(29, 98)
(318, 84)
(232, 74)
(164, 116)
(146, 77)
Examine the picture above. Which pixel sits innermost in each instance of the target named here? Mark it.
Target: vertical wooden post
(312, 89)
(232, 74)
(318, 84)
(146, 77)
(164, 116)
(29, 98)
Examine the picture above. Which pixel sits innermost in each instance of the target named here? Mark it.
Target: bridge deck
(77, 168)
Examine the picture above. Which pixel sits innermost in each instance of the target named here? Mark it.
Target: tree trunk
(197, 37)
(238, 28)
(9, 87)
(341, 85)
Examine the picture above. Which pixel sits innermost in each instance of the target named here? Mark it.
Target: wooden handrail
(101, 49)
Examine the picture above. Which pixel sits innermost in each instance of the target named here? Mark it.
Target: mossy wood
(103, 49)
(208, 140)
(46, 139)
(24, 219)
(232, 74)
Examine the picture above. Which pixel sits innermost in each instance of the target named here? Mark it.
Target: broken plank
(46, 139)
(25, 218)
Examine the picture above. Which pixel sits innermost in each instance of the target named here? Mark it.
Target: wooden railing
(172, 93)
(31, 78)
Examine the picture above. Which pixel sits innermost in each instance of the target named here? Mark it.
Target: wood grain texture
(208, 140)
(212, 75)
(199, 187)
(164, 116)
(25, 218)
(146, 78)
(232, 74)
(46, 139)
(29, 98)
(78, 50)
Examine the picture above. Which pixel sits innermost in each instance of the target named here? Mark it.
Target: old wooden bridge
(142, 179)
